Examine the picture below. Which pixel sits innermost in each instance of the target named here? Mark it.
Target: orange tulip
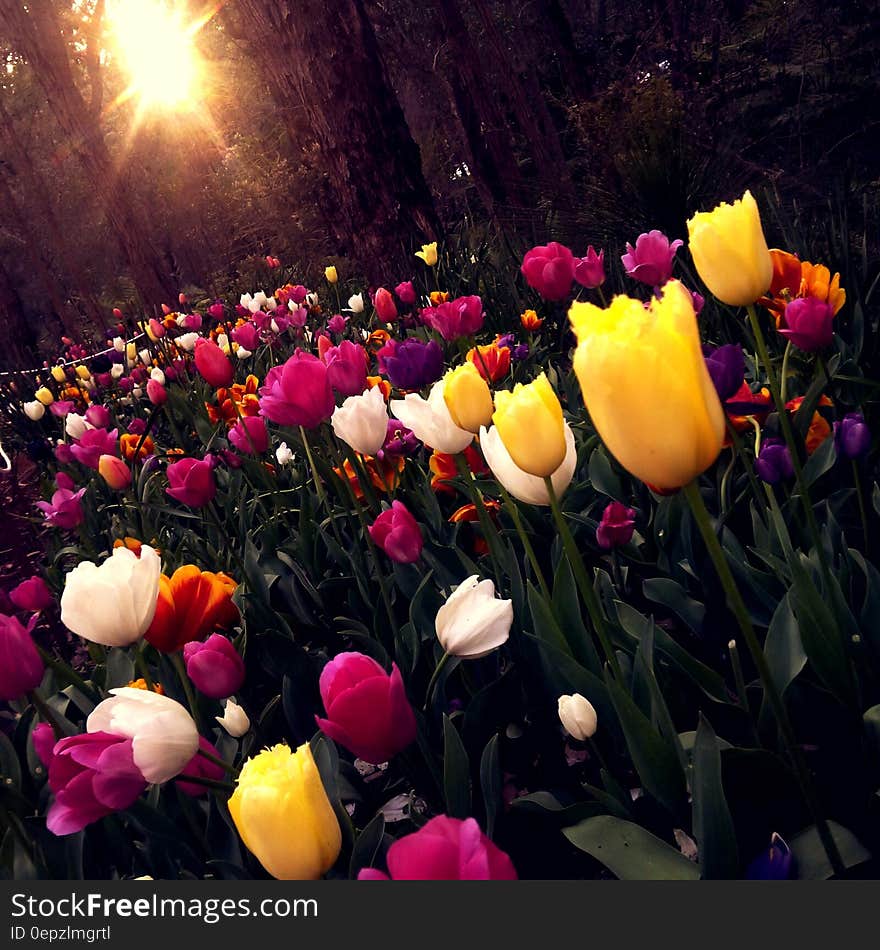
(530, 321)
(192, 604)
(128, 445)
(492, 361)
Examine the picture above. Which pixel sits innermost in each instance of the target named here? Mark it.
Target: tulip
(445, 849)
(164, 736)
(406, 293)
(646, 386)
(428, 254)
(115, 472)
(64, 510)
(473, 622)
(467, 397)
(33, 594)
(727, 366)
(397, 533)
(362, 422)
(199, 766)
(851, 436)
(549, 269)
(59, 374)
(386, 309)
(346, 368)
(492, 361)
(530, 322)
(455, 318)
(234, 719)
(44, 396)
(356, 303)
(94, 443)
(650, 261)
(297, 393)
(589, 271)
(156, 393)
(730, 252)
(774, 863)
(411, 364)
(529, 423)
(112, 603)
(43, 739)
(431, 421)
(578, 717)
(521, 484)
(283, 454)
(98, 416)
(249, 434)
(284, 816)
(214, 666)
(190, 605)
(773, 463)
(336, 324)
(367, 710)
(331, 275)
(398, 440)
(247, 335)
(191, 482)
(616, 527)
(213, 364)
(808, 323)
(21, 668)
(34, 410)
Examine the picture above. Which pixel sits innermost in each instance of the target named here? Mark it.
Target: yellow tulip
(428, 253)
(44, 396)
(529, 422)
(730, 251)
(468, 398)
(646, 386)
(59, 374)
(283, 814)
(330, 274)
(83, 372)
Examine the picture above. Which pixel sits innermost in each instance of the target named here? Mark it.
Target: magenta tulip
(249, 435)
(214, 666)
(589, 271)
(445, 849)
(616, 527)
(92, 444)
(33, 595)
(65, 509)
(191, 481)
(650, 261)
(98, 416)
(455, 318)
(156, 393)
(550, 270)
(385, 306)
(346, 368)
(398, 534)
(201, 767)
(213, 364)
(21, 668)
(367, 710)
(808, 323)
(298, 393)
(406, 293)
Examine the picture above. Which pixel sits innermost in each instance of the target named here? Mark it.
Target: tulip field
(439, 580)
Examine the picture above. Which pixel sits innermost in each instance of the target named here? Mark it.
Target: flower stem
(180, 669)
(207, 783)
(857, 481)
(45, 711)
(515, 516)
(62, 669)
(141, 663)
(435, 676)
(735, 602)
(486, 525)
(226, 766)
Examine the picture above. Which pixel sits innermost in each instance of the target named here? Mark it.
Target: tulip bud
(59, 374)
(34, 410)
(852, 436)
(578, 717)
(529, 422)
(616, 527)
(21, 668)
(114, 472)
(385, 306)
(33, 595)
(234, 719)
(468, 398)
(473, 621)
(214, 666)
(44, 396)
(213, 364)
(283, 454)
(330, 274)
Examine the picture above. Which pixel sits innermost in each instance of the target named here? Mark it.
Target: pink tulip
(64, 510)
(347, 368)
(249, 435)
(397, 533)
(406, 293)
(455, 318)
(367, 710)
(200, 767)
(213, 364)
(21, 668)
(92, 444)
(385, 306)
(98, 416)
(549, 269)
(191, 481)
(114, 472)
(33, 594)
(214, 666)
(157, 329)
(298, 393)
(156, 392)
(247, 335)
(589, 271)
(809, 323)
(650, 261)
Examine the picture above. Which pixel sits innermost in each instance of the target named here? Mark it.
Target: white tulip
(312, 299)
(181, 319)
(187, 341)
(164, 736)
(234, 719)
(473, 621)
(75, 425)
(34, 410)
(523, 486)
(578, 716)
(242, 353)
(114, 603)
(157, 375)
(254, 303)
(116, 370)
(283, 455)
(118, 344)
(146, 357)
(362, 421)
(273, 326)
(430, 420)
(270, 303)
(356, 303)
(137, 392)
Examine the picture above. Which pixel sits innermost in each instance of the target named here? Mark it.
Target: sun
(156, 46)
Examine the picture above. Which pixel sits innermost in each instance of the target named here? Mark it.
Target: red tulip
(385, 306)
(213, 364)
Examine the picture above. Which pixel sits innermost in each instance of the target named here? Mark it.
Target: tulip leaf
(10, 769)
(811, 861)
(490, 783)
(566, 607)
(820, 461)
(871, 719)
(784, 651)
(456, 772)
(543, 803)
(629, 851)
(669, 593)
(367, 846)
(602, 475)
(120, 668)
(545, 623)
(654, 758)
(713, 825)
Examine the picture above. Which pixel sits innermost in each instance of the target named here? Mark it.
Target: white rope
(6, 459)
(48, 369)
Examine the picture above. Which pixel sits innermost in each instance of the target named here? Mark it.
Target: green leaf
(871, 719)
(713, 826)
(669, 593)
(567, 608)
(456, 772)
(602, 476)
(544, 803)
(629, 851)
(784, 651)
(820, 461)
(812, 862)
(491, 783)
(367, 846)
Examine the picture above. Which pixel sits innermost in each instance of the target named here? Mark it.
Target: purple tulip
(411, 364)
(214, 666)
(398, 440)
(21, 668)
(852, 437)
(773, 864)
(727, 367)
(809, 324)
(773, 463)
(64, 510)
(616, 526)
(650, 261)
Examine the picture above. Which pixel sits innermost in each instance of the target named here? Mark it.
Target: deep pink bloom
(589, 271)
(157, 329)
(367, 710)
(398, 534)
(63, 480)
(21, 668)
(808, 323)
(455, 318)
(249, 435)
(65, 509)
(299, 294)
(445, 849)
(98, 416)
(347, 368)
(406, 293)
(213, 364)
(336, 324)
(94, 443)
(32, 594)
(650, 261)
(191, 481)
(138, 375)
(61, 408)
(215, 311)
(214, 666)
(156, 392)
(616, 527)
(91, 775)
(137, 426)
(549, 269)
(386, 309)
(63, 455)
(247, 335)
(298, 393)
(192, 322)
(43, 738)
(200, 767)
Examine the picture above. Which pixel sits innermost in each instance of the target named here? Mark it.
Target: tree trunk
(18, 331)
(329, 83)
